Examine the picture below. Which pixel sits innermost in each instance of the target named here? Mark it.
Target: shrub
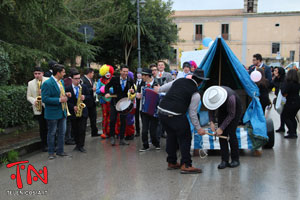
(15, 110)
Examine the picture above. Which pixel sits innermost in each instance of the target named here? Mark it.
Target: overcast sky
(263, 5)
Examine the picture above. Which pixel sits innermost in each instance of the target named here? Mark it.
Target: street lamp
(138, 3)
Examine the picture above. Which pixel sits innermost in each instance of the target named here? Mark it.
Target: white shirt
(162, 73)
(138, 81)
(74, 89)
(56, 82)
(125, 82)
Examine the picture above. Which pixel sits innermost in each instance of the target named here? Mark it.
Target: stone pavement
(122, 173)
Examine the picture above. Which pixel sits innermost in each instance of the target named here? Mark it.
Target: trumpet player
(55, 99)
(78, 109)
(34, 97)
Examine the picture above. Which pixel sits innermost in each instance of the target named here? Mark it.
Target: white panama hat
(214, 97)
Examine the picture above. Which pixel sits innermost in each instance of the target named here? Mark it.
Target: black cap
(147, 71)
(186, 64)
(199, 73)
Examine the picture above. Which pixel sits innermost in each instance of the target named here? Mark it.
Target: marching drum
(124, 106)
(150, 102)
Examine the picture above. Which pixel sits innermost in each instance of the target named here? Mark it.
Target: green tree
(33, 30)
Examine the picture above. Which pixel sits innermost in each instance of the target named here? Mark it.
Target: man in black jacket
(78, 123)
(121, 86)
(88, 80)
(182, 96)
(149, 122)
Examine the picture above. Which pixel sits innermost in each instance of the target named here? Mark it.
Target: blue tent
(223, 68)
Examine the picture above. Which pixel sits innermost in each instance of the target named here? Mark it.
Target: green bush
(15, 110)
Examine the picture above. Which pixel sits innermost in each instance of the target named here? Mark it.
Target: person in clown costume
(106, 72)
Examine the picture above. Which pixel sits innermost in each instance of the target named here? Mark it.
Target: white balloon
(209, 45)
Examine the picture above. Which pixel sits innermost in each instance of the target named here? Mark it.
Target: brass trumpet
(64, 105)
(38, 99)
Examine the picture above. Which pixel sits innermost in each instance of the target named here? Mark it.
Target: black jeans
(78, 129)
(69, 133)
(113, 120)
(289, 113)
(178, 133)
(149, 124)
(93, 119)
(230, 131)
(137, 117)
(43, 127)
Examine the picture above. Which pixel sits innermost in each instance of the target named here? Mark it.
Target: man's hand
(131, 91)
(212, 126)
(82, 97)
(156, 88)
(201, 131)
(107, 95)
(68, 94)
(35, 103)
(219, 132)
(75, 109)
(138, 95)
(94, 88)
(63, 99)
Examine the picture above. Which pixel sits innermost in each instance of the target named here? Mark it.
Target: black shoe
(81, 149)
(137, 134)
(51, 156)
(63, 154)
(144, 149)
(76, 148)
(164, 136)
(71, 142)
(291, 136)
(131, 137)
(223, 165)
(112, 141)
(123, 142)
(234, 163)
(157, 147)
(96, 135)
(280, 130)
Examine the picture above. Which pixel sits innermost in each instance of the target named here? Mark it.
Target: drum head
(123, 104)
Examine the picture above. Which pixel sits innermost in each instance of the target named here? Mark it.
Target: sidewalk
(29, 141)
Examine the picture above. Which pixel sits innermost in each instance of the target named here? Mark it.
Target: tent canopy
(223, 68)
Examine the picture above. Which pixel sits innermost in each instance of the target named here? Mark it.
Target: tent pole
(220, 71)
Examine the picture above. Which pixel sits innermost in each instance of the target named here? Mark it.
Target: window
(292, 56)
(198, 32)
(250, 6)
(225, 31)
(275, 48)
(173, 59)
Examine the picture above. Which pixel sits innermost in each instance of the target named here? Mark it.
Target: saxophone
(80, 105)
(39, 97)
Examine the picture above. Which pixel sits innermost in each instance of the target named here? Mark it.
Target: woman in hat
(229, 108)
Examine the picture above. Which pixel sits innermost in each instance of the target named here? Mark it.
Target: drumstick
(220, 136)
(113, 96)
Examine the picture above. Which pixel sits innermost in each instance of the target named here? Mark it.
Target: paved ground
(119, 173)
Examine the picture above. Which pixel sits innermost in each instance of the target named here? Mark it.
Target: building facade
(276, 35)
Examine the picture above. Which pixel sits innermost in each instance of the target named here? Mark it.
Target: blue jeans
(53, 125)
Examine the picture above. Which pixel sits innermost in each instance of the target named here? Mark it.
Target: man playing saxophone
(34, 97)
(55, 99)
(78, 109)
